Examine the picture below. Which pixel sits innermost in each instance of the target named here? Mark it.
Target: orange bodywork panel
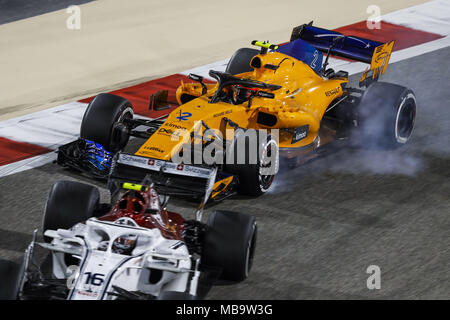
(301, 101)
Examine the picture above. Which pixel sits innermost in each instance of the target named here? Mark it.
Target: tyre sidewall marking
(275, 148)
(249, 248)
(399, 139)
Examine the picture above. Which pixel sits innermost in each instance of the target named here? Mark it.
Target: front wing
(169, 178)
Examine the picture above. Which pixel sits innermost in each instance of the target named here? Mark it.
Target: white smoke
(359, 163)
(388, 162)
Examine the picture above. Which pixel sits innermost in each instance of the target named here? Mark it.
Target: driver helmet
(124, 244)
(242, 94)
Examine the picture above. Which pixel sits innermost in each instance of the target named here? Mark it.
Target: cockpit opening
(236, 90)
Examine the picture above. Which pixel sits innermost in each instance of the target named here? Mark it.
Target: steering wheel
(226, 79)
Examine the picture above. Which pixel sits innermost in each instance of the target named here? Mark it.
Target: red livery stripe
(139, 95)
(12, 151)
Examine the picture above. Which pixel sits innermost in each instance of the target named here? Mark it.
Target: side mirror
(195, 77)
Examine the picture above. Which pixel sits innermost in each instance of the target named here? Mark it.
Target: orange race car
(272, 103)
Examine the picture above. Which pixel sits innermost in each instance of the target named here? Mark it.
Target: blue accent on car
(98, 156)
(304, 52)
(184, 116)
(352, 47)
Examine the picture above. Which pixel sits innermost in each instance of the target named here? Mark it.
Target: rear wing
(375, 53)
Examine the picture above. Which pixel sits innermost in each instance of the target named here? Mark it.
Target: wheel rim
(265, 180)
(116, 138)
(405, 119)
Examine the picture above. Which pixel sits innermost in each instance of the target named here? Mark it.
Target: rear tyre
(103, 121)
(69, 203)
(11, 275)
(255, 175)
(240, 61)
(386, 116)
(229, 244)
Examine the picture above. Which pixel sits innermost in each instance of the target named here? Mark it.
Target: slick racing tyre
(103, 121)
(69, 203)
(240, 61)
(11, 275)
(229, 244)
(257, 170)
(386, 116)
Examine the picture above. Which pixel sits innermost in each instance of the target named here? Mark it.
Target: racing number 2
(95, 279)
(316, 57)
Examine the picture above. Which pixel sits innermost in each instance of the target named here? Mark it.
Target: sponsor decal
(165, 131)
(196, 170)
(154, 149)
(87, 293)
(129, 158)
(170, 167)
(169, 132)
(332, 92)
(381, 56)
(299, 133)
(316, 56)
(173, 125)
(222, 113)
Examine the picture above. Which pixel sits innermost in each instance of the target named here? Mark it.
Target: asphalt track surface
(325, 222)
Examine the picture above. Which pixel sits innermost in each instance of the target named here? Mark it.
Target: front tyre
(229, 244)
(69, 203)
(103, 121)
(11, 275)
(255, 175)
(386, 117)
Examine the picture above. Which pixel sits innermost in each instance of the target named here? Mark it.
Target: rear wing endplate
(378, 64)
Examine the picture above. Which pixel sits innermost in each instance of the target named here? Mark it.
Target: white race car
(135, 249)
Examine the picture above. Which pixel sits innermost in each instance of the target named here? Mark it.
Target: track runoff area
(319, 248)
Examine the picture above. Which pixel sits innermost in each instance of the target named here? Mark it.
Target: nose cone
(175, 131)
(167, 140)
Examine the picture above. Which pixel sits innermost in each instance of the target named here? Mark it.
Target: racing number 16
(95, 279)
